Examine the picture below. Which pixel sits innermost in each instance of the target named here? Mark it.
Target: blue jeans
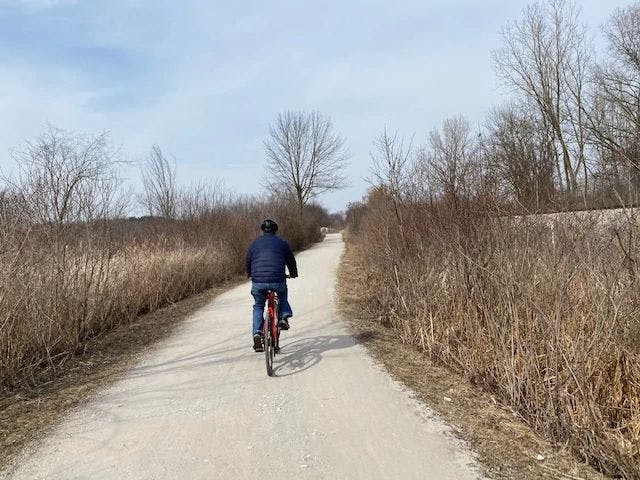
(259, 292)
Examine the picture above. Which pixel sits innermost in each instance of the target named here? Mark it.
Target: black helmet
(269, 226)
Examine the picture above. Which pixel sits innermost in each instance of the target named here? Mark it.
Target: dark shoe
(258, 344)
(284, 323)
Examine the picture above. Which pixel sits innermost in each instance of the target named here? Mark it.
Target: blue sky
(204, 79)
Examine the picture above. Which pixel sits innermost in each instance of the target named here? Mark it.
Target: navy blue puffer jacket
(267, 257)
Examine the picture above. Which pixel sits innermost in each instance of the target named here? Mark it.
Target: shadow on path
(303, 354)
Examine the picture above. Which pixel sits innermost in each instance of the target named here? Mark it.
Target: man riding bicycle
(266, 259)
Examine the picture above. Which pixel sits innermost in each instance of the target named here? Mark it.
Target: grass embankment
(541, 314)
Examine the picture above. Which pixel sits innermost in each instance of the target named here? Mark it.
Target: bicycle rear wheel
(277, 326)
(269, 351)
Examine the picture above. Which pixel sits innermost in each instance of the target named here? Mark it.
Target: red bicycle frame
(270, 331)
(271, 321)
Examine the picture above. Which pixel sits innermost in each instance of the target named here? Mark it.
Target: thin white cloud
(33, 6)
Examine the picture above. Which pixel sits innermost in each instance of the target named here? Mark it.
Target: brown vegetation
(505, 447)
(73, 268)
(542, 313)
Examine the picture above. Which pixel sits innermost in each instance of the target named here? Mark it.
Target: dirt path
(201, 406)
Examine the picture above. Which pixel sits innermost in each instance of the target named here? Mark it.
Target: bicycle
(271, 329)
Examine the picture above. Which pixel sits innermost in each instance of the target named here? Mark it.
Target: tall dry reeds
(58, 291)
(61, 286)
(543, 311)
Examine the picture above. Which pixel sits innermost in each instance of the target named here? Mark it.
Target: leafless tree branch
(306, 157)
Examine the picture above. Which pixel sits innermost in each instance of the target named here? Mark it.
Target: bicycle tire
(269, 350)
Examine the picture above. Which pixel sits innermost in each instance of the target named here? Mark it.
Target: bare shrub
(391, 163)
(541, 311)
(521, 158)
(160, 195)
(64, 177)
(203, 198)
(452, 159)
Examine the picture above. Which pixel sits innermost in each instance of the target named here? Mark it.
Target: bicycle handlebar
(286, 276)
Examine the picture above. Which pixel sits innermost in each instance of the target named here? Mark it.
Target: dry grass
(61, 285)
(544, 315)
(55, 296)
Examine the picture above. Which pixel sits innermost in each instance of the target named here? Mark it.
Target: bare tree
(545, 56)
(615, 120)
(451, 158)
(306, 157)
(391, 163)
(391, 166)
(160, 195)
(64, 177)
(521, 157)
(203, 198)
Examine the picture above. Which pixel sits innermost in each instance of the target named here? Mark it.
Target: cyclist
(266, 259)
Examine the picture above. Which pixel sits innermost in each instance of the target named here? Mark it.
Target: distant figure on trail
(266, 259)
